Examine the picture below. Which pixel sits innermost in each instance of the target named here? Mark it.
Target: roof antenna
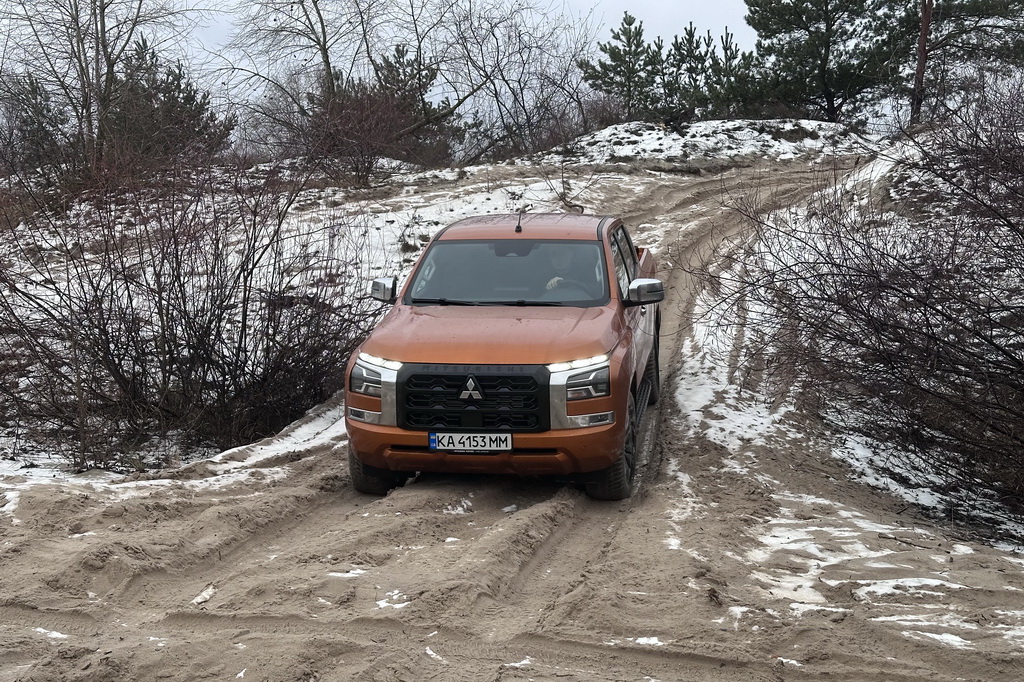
(519, 222)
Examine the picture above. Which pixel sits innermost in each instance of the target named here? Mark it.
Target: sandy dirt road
(762, 564)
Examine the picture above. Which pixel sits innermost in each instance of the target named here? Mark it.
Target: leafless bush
(198, 310)
(472, 80)
(904, 314)
(91, 91)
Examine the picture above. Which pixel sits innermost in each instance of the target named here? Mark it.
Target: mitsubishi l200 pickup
(521, 344)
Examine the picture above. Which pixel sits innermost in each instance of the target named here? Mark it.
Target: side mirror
(384, 289)
(643, 291)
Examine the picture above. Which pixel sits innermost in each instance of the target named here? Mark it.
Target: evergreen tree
(629, 72)
(830, 57)
(356, 123)
(733, 88)
(409, 79)
(425, 129)
(683, 78)
(687, 81)
(160, 114)
(35, 135)
(951, 33)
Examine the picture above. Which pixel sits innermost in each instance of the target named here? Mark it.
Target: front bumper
(555, 453)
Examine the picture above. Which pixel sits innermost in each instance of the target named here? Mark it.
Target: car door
(625, 261)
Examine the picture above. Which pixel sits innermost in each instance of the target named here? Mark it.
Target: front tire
(371, 480)
(616, 482)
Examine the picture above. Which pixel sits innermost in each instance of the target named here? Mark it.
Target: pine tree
(732, 84)
(409, 79)
(405, 79)
(35, 139)
(160, 114)
(683, 79)
(629, 71)
(830, 57)
(951, 33)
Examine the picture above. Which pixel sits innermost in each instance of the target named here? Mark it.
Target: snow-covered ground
(429, 200)
(396, 227)
(817, 545)
(713, 140)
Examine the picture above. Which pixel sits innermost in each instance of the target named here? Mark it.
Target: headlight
(578, 364)
(365, 380)
(368, 359)
(592, 383)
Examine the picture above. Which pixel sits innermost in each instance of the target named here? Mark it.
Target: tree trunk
(917, 95)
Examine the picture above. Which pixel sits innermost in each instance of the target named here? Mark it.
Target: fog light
(599, 419)
(366, 416)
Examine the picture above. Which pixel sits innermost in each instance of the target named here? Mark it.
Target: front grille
(473, 397)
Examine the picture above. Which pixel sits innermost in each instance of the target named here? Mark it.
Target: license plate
(471, 442)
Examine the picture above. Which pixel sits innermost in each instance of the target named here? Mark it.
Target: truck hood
(493, 334)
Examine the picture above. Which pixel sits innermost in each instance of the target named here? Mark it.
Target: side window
(622, 274)
(628, 252)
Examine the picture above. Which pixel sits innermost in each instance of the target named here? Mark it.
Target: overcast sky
(667, 18)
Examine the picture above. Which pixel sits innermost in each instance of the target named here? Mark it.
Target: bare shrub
(91, 93)
(903, 314)
(471, 80)
(197, 309)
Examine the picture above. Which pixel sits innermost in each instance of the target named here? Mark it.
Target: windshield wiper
(445, 301)
(456, 301)
(524, 302)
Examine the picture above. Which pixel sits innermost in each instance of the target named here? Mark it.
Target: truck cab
(520, 344)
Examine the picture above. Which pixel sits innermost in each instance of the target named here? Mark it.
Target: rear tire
(652, 373)
(371, 480)
(616, 482)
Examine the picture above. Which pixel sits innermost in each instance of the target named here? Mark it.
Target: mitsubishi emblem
(471, 390)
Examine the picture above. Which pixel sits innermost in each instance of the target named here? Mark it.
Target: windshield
(511, 272)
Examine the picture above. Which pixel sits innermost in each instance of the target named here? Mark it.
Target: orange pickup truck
(520, 344)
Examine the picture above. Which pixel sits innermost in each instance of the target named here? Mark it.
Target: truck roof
(533, 226)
